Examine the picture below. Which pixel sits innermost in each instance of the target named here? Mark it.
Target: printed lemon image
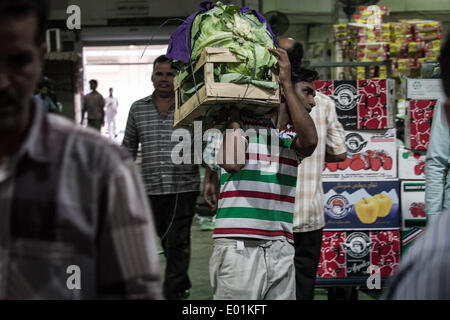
(385, 204)
(367, 210)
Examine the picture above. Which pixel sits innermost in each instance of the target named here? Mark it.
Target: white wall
(131, 81)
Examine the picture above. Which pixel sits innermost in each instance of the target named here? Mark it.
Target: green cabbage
(242, 33)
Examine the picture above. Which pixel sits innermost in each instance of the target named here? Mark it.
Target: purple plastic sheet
(180, 40)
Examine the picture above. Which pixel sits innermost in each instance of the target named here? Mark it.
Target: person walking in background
(93, 104)
(111, 104)
(294, 50)
(424, 272)
(437, 191)
(72, 204)
(172, 188)
(309, 219)
(43, 95)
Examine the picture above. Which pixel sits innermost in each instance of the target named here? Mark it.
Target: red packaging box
(362, 104)
(412, 193)
(371, 154)
(419, 114)
(350, 254)
(411, 164)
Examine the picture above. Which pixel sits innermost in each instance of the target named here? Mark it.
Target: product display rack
(366, 65)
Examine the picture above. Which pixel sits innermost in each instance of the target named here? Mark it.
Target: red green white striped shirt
(258, 201)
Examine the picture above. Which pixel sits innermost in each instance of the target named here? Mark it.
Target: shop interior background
(114, 33)
(118, 41)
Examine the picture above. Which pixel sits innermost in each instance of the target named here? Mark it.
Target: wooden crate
(245, 96)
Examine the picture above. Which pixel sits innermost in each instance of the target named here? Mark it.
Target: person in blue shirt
(424, 272)
(43, 96)
(437, 192)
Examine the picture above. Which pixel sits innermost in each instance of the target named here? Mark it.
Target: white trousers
(250, 269)
(111, 122)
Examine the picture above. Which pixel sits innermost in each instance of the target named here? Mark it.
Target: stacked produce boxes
(374, 200)
(408, 43)
(362, 209)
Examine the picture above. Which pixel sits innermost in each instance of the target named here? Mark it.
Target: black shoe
(184, 294)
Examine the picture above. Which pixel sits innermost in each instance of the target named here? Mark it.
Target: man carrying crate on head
(253, 255)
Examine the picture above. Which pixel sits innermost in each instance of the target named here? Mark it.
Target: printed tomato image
(370, 154)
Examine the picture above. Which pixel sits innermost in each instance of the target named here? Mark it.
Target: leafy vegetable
(225, 26)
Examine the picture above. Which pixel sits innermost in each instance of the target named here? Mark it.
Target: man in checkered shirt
(75, 222)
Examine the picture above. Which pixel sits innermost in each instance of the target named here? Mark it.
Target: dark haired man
(43, 95)
(294, 50)
(93, 104)
(74, 219)
(253, 256)
(172, 188)
(309, 217)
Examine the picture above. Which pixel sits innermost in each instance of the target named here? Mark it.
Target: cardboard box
(411, 164)
(412, 195)
(423, 89)
(361, 205)
(370, 155)
(350, 254)
(409, 237)
(419, 114)
(362, 104)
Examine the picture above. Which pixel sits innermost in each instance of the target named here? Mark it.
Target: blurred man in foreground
(74, 218)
